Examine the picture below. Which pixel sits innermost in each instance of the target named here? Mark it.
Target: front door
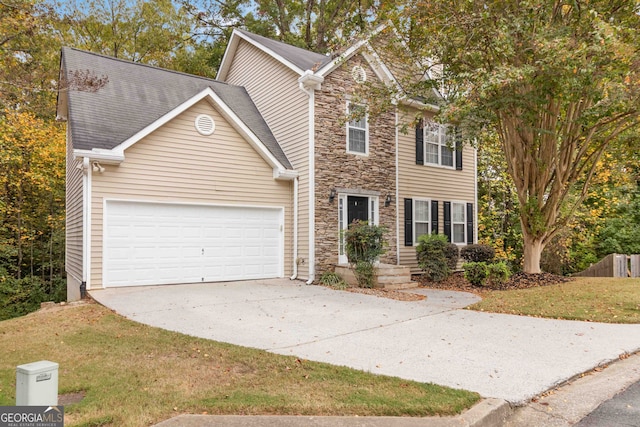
(351, 208)
(357, 208)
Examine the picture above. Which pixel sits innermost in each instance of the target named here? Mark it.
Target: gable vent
(205, 124)
(359, 74)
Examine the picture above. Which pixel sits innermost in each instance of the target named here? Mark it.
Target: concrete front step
(387, 276)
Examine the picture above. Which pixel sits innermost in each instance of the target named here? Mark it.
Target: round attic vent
(205, 124)
(359, 74)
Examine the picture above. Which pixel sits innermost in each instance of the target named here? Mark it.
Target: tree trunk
(532, 253)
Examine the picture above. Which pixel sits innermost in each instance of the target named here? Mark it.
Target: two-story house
(174, 178)
(413, 183)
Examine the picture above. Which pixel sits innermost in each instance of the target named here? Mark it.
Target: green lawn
(136, 375)
(593, 299)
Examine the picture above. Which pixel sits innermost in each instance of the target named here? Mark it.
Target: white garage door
(157, 243)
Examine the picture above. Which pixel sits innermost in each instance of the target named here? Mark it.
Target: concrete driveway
(435, 340)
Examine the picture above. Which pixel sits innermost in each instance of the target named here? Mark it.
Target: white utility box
(37, 384)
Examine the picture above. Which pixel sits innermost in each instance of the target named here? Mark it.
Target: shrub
(430, 253)
(497, 274)
(478, 253)
(332, 280)
(364, 243)
(475, 272)
(19, 296)
(452, 254)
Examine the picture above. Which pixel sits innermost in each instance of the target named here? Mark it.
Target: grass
(136, 375)
(593, 299)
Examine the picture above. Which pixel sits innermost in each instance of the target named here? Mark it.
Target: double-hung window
(357, 129)
(421, 218)
(458, 223)
(436, 144)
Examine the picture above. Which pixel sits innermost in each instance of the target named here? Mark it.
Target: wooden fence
(614, 265)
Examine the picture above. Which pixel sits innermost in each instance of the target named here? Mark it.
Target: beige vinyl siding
(73, 224)
(430, 182)
(176, 164)
(274, 89)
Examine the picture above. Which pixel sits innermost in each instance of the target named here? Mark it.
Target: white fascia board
(380, 68)
(233, 45)
(419, 105)
(348, 53)
(110, 157)
(227, 58)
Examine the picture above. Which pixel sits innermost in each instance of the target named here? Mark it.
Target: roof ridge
(153, 67)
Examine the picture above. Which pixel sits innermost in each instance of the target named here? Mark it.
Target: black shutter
(458, 140)
(447, 220)
(434, 217)
(470, 223)
(419, 143)
(408, 222)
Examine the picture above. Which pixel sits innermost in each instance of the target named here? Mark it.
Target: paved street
(622, 410)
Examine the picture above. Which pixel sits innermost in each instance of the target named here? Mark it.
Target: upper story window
(357, 129)
(436, 145)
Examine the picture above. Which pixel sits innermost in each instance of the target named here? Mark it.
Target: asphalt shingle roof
(136, 95)
(301, 58)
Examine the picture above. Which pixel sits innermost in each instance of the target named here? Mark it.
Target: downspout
(397, 193)
(309, 83)
(295, 229)
(475, 191)
(86, 228)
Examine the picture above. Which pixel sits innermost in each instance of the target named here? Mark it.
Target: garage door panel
(158, 243)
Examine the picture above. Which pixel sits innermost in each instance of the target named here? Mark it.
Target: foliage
(452, 254)
(497, 274)
(332, 280)
(475, 272)
(558, 83)
(621, 234)
(430, 253)
(319, 26)
(477, 253)
(32, 180)
(364, 243)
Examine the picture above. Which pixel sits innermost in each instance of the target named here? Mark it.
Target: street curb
(486, 413)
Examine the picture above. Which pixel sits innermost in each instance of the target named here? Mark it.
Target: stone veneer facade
(337, 169)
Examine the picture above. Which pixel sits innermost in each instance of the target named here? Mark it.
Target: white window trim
(414, 216)
(366, 130)
(464, 222)
(442, 143)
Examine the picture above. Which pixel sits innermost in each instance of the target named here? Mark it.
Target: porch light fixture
(387, 200)
(332, 195)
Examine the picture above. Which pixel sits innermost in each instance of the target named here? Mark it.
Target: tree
(158, 33)
(28, 58)
(557, 81)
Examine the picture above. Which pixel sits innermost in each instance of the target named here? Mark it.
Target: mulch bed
(457, 282)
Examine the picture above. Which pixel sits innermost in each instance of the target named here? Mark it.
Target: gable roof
(138, 95)
(297, 59)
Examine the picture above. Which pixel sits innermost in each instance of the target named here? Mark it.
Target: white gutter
(308, 83)
(295, 229)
